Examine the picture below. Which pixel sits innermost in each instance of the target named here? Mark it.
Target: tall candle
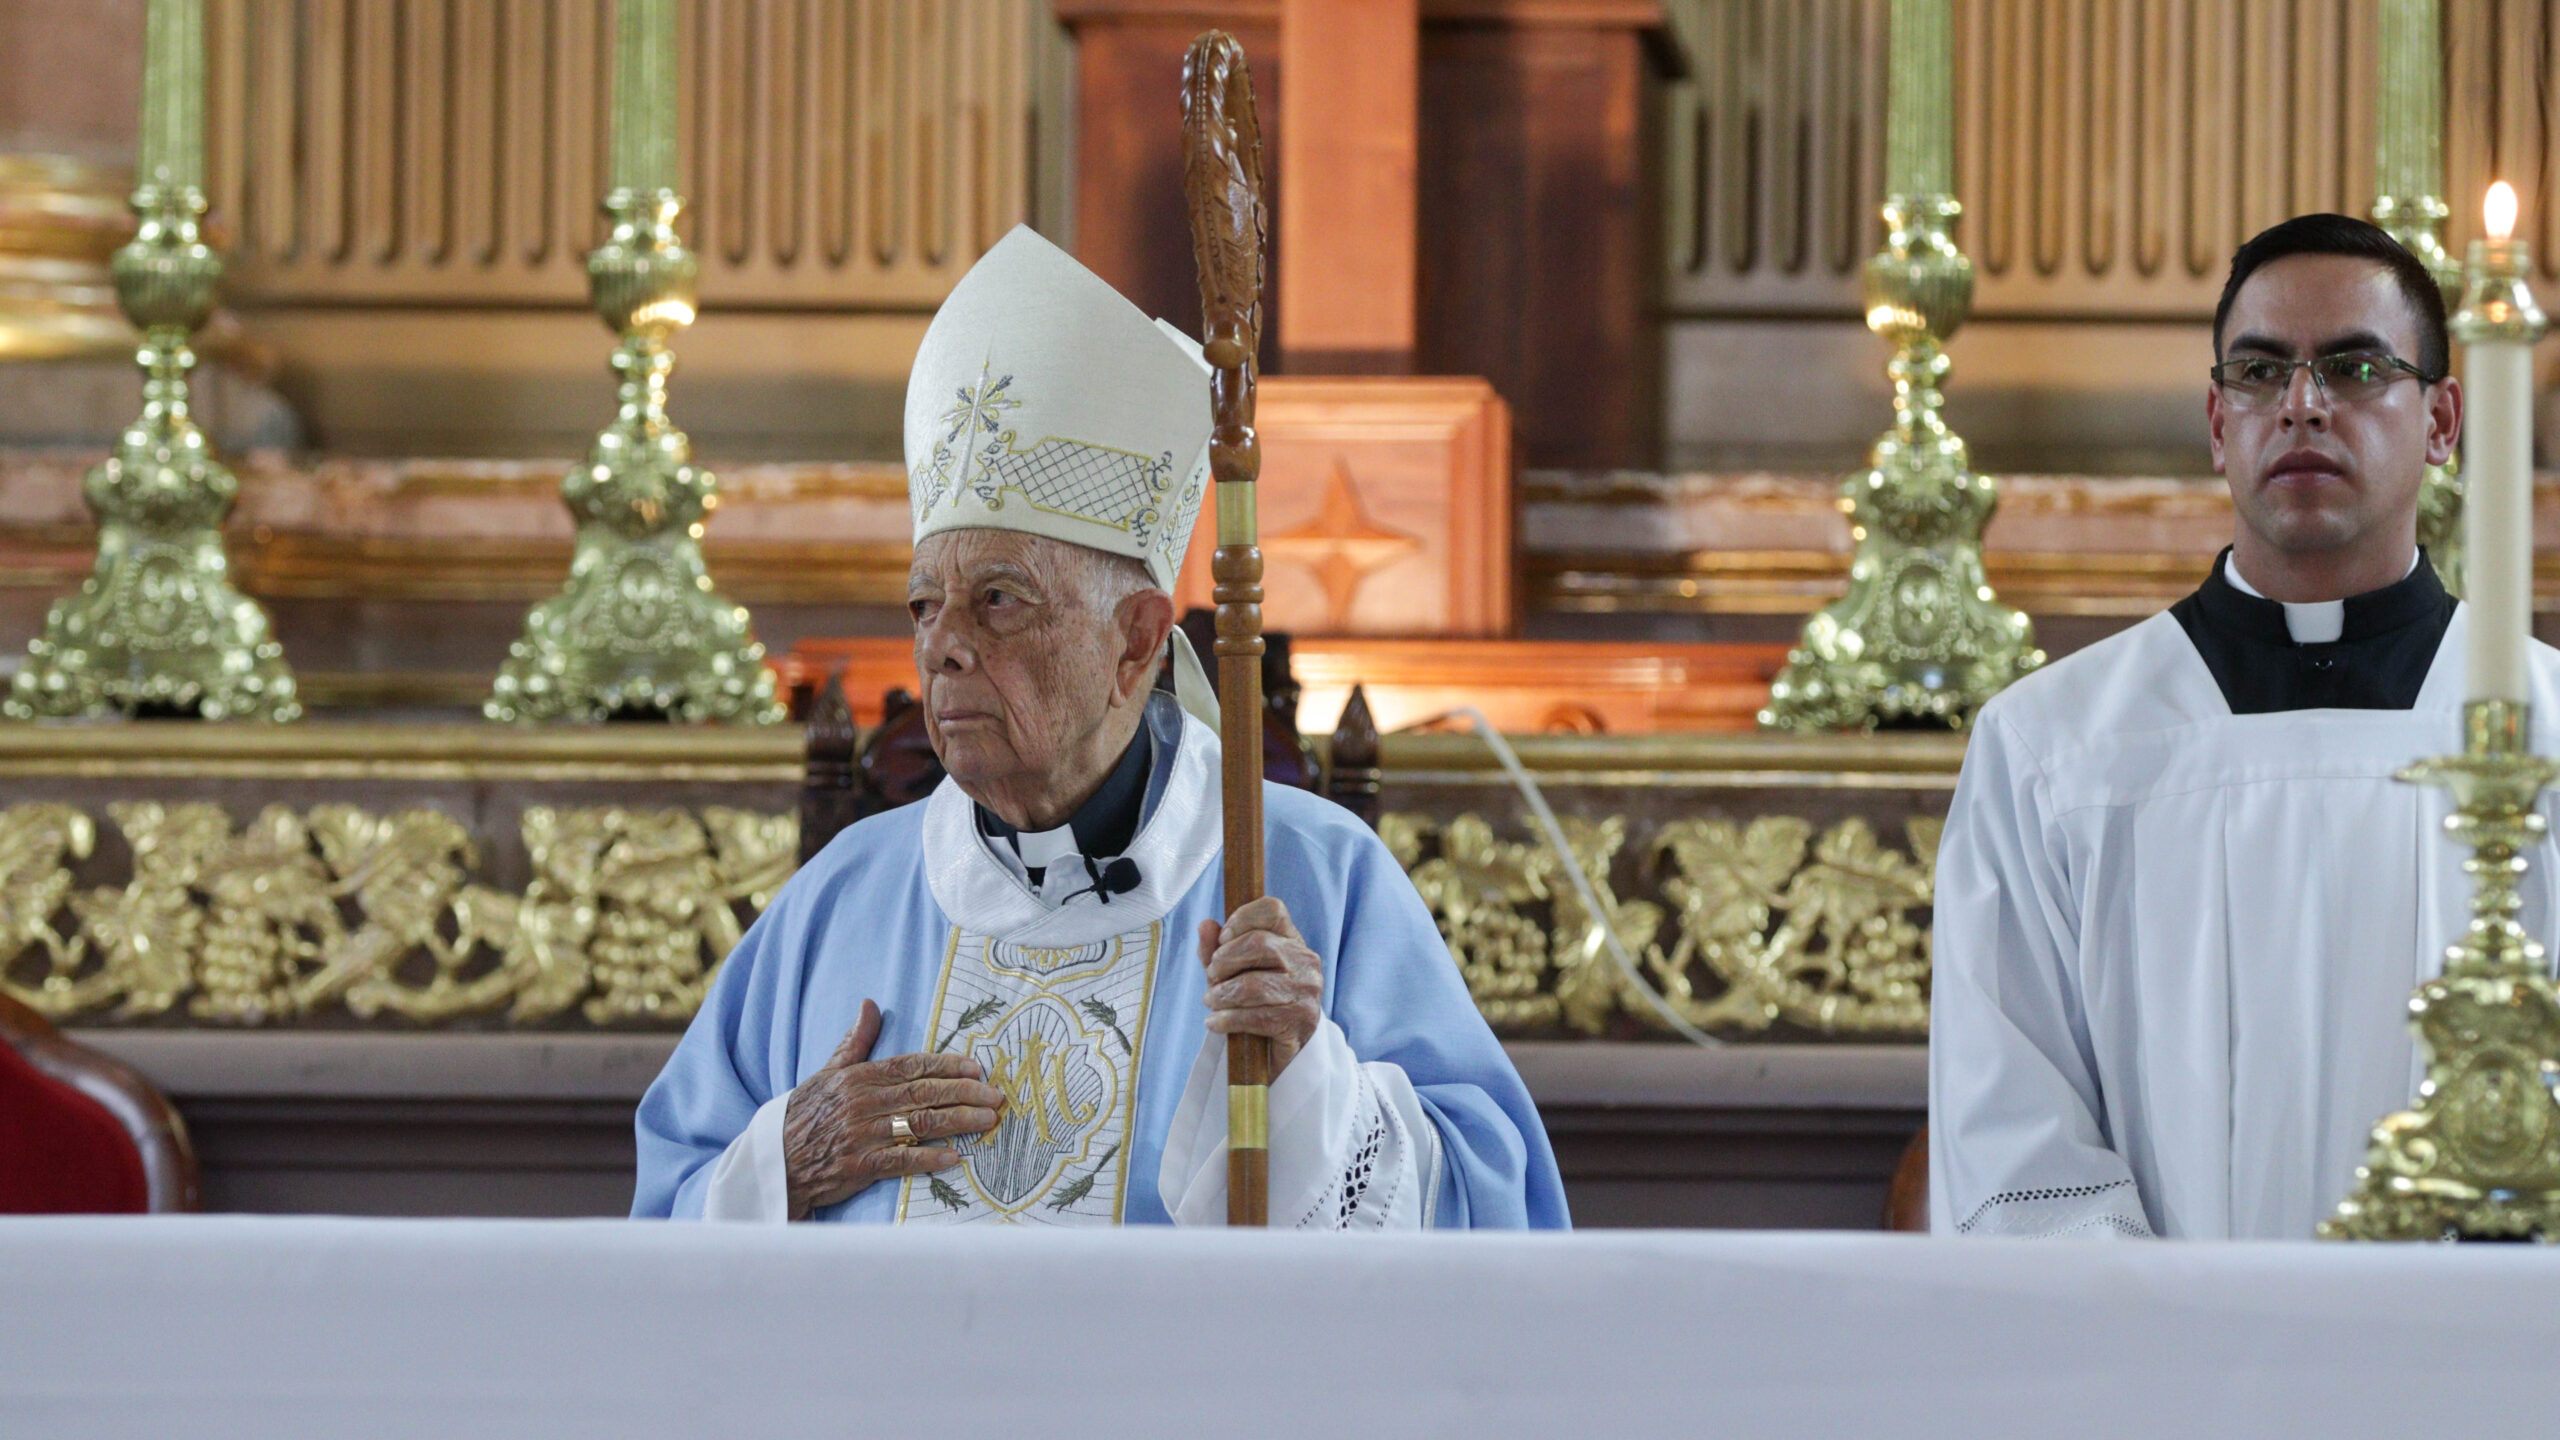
(170, 149)
(1920, 112)
(2498, 324)
(644, 95)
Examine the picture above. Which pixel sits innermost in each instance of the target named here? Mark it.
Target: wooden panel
(1356, 69)
(836, 153)
(1385, 508)
(1645, 1134)
(1131, 225)
(2111, 154)
(1538, 260)
(1538, 232)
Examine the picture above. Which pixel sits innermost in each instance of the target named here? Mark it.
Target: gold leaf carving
(1476, 888)
(297, 914)
(300, 915)
(1764, 923)
(36, 842)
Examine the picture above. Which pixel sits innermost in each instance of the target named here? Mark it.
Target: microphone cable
(1602, 927)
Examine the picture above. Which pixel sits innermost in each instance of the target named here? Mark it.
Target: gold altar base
(336, 876)
(333, 874)
(2478, 1156)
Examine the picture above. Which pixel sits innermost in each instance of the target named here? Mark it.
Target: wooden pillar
(1541, 261)
(1531, 154)
(1131, 227)
(1352, 79)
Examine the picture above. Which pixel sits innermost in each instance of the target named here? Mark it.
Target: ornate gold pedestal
(1919, 636)
(2478, 1156)
(639, 632)
(157, 627)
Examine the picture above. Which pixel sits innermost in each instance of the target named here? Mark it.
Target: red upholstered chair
(81, 1133)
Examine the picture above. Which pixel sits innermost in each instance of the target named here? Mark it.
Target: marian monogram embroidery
(1057, 1029)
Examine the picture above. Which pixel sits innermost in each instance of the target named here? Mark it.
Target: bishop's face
(1021, 680)
(2324, 483)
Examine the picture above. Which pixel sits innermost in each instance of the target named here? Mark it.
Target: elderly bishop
(1007, 1004)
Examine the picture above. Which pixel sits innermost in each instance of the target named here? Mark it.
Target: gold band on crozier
(1248, 1117)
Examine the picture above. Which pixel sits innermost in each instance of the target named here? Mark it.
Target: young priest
(2181, 901)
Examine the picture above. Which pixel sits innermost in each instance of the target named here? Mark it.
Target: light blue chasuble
(1088, 1014)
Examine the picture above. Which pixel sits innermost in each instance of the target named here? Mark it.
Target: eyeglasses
(2350, 378)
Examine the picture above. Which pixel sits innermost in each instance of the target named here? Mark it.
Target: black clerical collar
(2378, 662)
(1108, 819)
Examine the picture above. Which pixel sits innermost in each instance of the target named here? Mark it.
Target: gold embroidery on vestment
(1058, 1030)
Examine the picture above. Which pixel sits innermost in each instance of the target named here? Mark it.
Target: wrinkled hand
(1263, 980)
(835, 1128)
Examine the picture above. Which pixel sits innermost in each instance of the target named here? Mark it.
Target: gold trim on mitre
(1044, 402)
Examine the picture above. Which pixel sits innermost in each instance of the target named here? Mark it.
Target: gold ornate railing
(1761, 883)
(840, 153)
(2110, 154)
(363, 884)
(485, 875)
(1758, 924)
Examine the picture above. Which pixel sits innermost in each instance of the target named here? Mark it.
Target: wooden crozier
(1222, 177)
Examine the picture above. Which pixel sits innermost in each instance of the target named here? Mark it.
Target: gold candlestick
(1919, 637)
(2478, 1156)
(639, 632)
(2408, 127)
(157, 629)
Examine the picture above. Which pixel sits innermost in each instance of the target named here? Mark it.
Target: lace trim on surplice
(1356, 1199)
(2111, 1208)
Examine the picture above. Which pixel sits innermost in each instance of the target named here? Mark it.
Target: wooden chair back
(852, 775)
(1906, 1201)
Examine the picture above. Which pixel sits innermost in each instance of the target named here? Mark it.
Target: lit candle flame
(2500, 211)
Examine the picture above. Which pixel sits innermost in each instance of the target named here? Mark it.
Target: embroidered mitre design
(1042, 401)
(1058, 1030)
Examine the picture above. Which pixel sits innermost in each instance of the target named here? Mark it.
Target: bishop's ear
(1146, 621)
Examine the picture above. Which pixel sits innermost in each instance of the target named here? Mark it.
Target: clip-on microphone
(1117, 878)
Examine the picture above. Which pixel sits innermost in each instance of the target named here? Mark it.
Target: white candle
(2499, 325)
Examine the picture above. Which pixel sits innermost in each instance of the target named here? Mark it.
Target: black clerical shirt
(2378, 662)
(1108, 819)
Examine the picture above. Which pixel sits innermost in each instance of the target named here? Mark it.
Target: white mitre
(1042, 401)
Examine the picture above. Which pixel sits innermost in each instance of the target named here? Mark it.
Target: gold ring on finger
(901, 1133)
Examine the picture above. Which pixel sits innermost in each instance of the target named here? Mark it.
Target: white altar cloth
(223, 1326)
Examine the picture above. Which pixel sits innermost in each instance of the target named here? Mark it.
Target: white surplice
(2174, 946)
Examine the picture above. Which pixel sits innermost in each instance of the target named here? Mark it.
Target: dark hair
(2346, 235)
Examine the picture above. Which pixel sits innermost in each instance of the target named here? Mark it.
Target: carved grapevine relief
(1765, 924)
(299, 914)
(335, 911)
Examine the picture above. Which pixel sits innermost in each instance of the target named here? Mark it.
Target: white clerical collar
(2315, 622)
(1040, 849)
(980, 892)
